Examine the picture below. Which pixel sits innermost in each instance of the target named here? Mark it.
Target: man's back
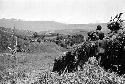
(100, 34)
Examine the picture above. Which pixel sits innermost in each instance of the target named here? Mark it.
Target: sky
(65, 11)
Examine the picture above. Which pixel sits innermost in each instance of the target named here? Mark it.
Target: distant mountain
(46, 25)
(31, 25)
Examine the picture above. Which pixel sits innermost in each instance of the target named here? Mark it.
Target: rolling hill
(46, 25)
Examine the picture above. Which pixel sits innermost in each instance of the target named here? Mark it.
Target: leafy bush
(111, 51)
(91, 73)
(69, 40)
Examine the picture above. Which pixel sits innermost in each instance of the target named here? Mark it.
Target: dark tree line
(69, 40)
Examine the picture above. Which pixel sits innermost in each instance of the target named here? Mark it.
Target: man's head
(99, 27)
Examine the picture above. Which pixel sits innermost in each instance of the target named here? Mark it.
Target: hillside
(34, 65)
(46, 25)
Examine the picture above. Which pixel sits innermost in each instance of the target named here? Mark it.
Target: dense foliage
(67, 41)
(110, 51)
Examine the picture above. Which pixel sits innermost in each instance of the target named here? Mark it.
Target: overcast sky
(66, 11)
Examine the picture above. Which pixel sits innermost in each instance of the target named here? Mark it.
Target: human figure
(96, 35)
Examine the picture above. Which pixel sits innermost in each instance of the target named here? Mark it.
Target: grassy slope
(92, 73)
(40, 58)
(33, 68)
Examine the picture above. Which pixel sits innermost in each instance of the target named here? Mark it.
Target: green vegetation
(91, 73)
(34, 61)
(68, 41)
